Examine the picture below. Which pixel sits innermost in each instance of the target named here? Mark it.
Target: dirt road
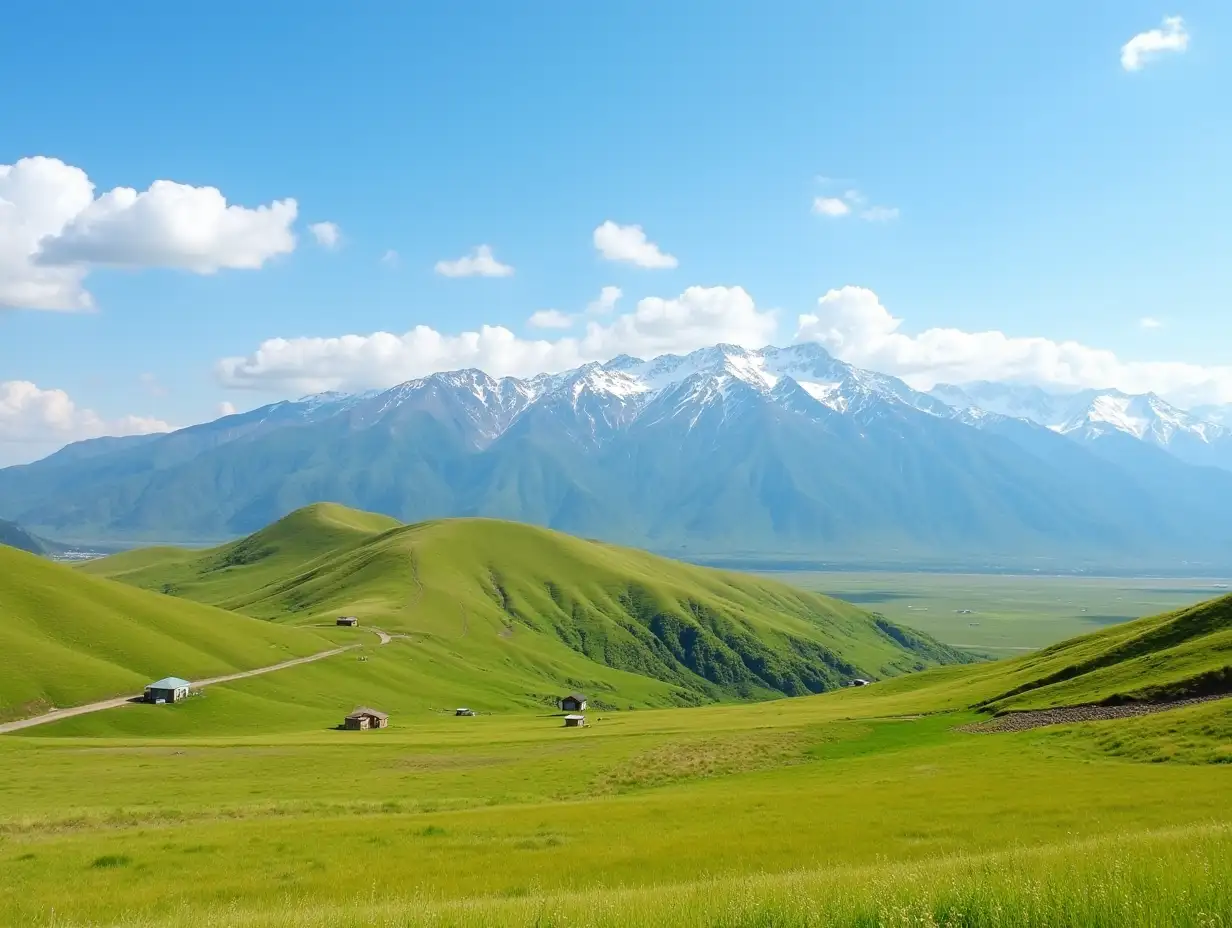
(1038, 718)
(56, 714)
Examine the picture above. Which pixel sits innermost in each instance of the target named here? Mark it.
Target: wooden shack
(168, 689)
(364, 718)
(348, 620)
(574, 702)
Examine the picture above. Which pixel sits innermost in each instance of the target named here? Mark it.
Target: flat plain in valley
(1005, 614)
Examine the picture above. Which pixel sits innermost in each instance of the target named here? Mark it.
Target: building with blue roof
(168, 689)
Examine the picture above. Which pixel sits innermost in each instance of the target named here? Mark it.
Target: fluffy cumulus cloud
(699, 317)
(479, 263)
(550, 319)
(630, 245)
(327, 234)
(853, 325)
(1147, 46)
(53, 229)
(34, 422)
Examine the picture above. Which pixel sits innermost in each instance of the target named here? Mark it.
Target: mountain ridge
(722, 450)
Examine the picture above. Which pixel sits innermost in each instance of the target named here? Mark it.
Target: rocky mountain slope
(720, 451)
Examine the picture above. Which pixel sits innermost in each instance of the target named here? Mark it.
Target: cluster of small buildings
(173, 689)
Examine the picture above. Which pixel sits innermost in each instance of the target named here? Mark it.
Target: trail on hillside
(417, 596)
(1038, 718)
(57, 714)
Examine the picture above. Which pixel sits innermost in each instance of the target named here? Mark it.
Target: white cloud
(327, 234)
(35, 422)
(699, 317)
(390, 258)
(629, 244)
(550, 319)
(171, 225)
(831, 206)
(38, 198)
(226, 409)
(1149, 322)
(1146, 46)
(608, 298)
(854, 326)
(480, 263)
(852, 200)
(53, 230)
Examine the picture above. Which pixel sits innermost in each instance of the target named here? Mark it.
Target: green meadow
(686, 800)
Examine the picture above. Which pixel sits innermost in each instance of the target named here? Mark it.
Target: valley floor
(865, 807)
(1003, 615)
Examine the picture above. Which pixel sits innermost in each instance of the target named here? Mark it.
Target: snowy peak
(597, 400)
(1089, 415)
(1146, 417)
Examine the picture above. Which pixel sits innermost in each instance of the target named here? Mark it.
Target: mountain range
(1091, 415)
(724, 451)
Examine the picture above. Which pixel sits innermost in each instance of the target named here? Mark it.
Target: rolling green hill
(1179, 654)
(67, 638)
(572, 612)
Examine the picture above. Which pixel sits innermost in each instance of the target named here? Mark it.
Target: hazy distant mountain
(15, 536)
(1091, 415)
(723, 450)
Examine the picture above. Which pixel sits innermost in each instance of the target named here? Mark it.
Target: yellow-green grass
(490, 820)
(560, 611)
(1006, 615)
(1109, 882)
(67, 638)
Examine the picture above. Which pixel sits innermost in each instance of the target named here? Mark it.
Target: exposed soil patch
(1038, 718)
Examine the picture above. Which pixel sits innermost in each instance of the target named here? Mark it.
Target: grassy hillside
(67, 638)
(1187, 652)
(501, 594)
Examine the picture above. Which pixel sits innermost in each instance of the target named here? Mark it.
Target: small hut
(348, 620)
(574, 702)
(464, 712)
(168, 689)
(363, 718)
(575, 721)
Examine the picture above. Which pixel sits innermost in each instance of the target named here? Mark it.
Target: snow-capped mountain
(717, 451)
(1091, 415)
(609, 397)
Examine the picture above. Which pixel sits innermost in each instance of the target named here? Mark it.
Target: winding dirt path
(1038, 718)
(56, 714)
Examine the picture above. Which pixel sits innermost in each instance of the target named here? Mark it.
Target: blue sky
(1028, 184)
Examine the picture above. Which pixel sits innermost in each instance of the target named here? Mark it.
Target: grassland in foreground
(866, 806)
(847, 808)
